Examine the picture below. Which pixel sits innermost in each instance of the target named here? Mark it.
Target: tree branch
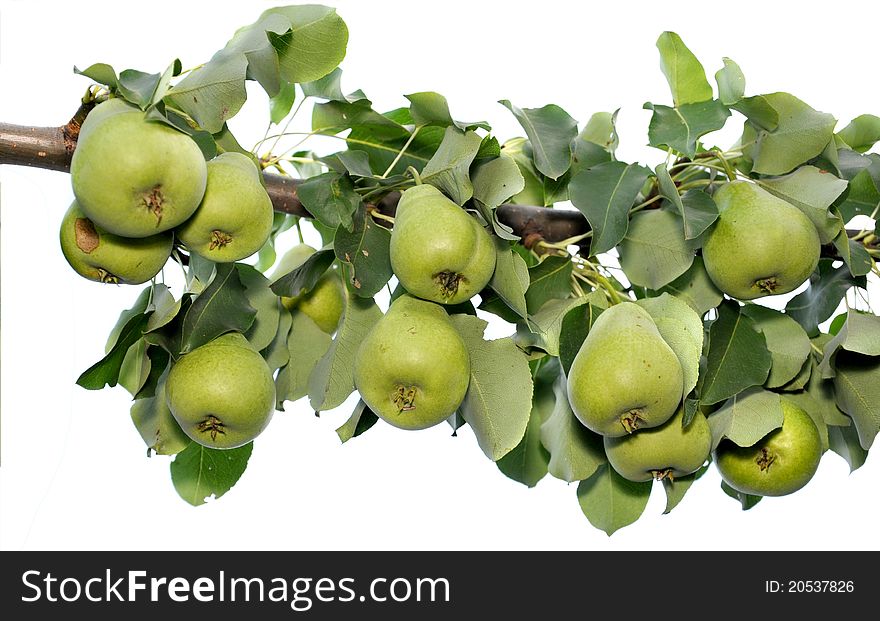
(52, 148)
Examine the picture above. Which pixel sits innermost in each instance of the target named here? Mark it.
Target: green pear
(668, 451)
(324, 302)
(222, 394)
(234, 219)
(760, 245)
(134, 177)
(156, 425)
(780, 463)
(438, 251)
(624, 377)
(103, 257)
(412, 369)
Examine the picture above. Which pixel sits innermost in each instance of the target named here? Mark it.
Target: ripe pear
(780, 463)
(134, 177)
(413, 369)
(324, 302)
(760, 245)
(668, 451)
(234, 219)
(103, 257)
(438, 251)
(222, 394)
(624, 377)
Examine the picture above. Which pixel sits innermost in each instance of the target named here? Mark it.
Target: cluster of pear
(413, 368)
(626, 383)
(139, 184)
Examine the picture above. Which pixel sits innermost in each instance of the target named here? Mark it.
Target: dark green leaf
(857, 387)
(549, 279)
(280, 104)
(331, 198)
(576, 326)
(680, 128)
(222, 307)
(360, 421)
(854, 254)
(827, 287)
(786, 340)
(845, 442)
(266, 304)
(605, 194)
(366, 252)
(304, 277)
(654, 251)
(199, 472)
(611, 502)
(448, 168)
(306, 345)
(696, 288)
(863, 196)
(550, 130)
(738, 357)
(105, 372)
(429, 108)
(696, 208)
(511, 277)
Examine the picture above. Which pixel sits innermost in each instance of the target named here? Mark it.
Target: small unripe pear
(624, 377)
(103, 257)
(438, 251)
(760, 245)
(413, 369)
(323, 303)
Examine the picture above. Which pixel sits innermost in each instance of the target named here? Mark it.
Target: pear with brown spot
(234, 219)
(103, 257)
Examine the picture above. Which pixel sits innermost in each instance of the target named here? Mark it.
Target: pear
(103, 257)
(134, 177)
(234, 219)
(324, 302)
(222, 394)
(413, 369)
(760, 245)
(438, 251)
(668, 451)
(780, 463)
(624, 377)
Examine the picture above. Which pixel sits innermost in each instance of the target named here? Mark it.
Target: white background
(74, 472)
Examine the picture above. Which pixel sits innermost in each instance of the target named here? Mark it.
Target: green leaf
(548, 280)
(544, 327)
(576, 453)
(654, 251)
(845, 442)
(280, 104)
(695, 288)
(857, 387)
(448, 168)
(682, 330)
(495, 182)
(332, 380)
(605, 194)
(812, 191)
(527, 461)
(827, 287)
(511, 277)
(106, 371)
(860, 334)
(136, 366)
(156, 425)
(786, 340)
(576, 325)
(863, 196)
(102, 73)
(854, 254)
(306, 345)
(801, 133)
(146, 89)
(222, 307)
(429, 108)
(141, 305)
(331, 198)
(360, 421)
(314, 45)
(550, 130)
(498, 401)
(213, 93)
(366, 253)
(305, 276)
(737, 359)
(329, 88)
(163, 308)
(601, 131)
(199, 472)
(680, 128)
(610, 502)
(266, 304)
(731, 83)
(686, 77)
(676, 489)
(862, 132)
(746, 417)
(355, 162)
(696, 208)
(277, 353)
(747, 501)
